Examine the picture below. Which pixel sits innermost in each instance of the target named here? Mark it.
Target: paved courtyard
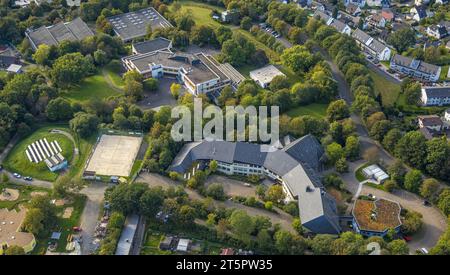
(161, 97)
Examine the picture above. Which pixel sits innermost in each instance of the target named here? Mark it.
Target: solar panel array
(41, 150)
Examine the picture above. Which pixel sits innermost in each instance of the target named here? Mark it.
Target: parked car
(1, 167)
(77, 229)
(424, 250)
(407, 238)
(247, 184)
(28, 178)
(17, 176)
(277, 35)
(426, 203)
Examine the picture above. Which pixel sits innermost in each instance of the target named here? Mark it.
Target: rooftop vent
(309, 189)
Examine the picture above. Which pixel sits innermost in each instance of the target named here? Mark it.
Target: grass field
(316, 110)
(444, 72)
(95, 86)
(17, 161)
(201, 12)
(389, 91)
(114, 76)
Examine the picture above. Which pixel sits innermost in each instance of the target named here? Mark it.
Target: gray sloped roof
(297, 164)
(415, 64)
(439, 92)
(249, 153)
(306, 149)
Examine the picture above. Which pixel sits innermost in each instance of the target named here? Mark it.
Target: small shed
(183, 245)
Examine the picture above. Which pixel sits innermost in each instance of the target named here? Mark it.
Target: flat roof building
(375, 218)
(55, 34)
(200, 73)
(10, 234)
(157, 44)
(295, 166)
(131, 25)
(263, 76)
(127, 236)
(376, 173)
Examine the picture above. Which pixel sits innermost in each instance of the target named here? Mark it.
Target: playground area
(8, 194)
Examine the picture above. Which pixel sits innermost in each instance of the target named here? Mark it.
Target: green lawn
(444, 72)
(95, 86)
(389, 91)
(17, 161)
(201, 12)
(114, 76)
(315, 109)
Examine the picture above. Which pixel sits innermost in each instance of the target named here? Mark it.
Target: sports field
(114, 155)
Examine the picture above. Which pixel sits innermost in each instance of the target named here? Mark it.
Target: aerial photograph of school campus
(356, 93)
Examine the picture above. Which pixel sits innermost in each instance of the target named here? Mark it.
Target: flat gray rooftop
(134, 24)
(127, 236)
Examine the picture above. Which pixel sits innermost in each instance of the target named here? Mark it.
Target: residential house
(430, 126)
(415, 68)
(7, 60)
(388, 15)
(295, 167)
(353, 9)
(335, 23)
(435, 96)
(437, 31)
(229, 16)
(359, 3)
(418, 13)
(421, 2)
(227, 251)
(371, 45)
(376, 21)
(376, 218)
(379, 3)
(352, 21)
(324, 6)
(303, 3)
(447, 115)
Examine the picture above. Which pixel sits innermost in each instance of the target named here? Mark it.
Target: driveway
(434, 223)
(161, 97)
(282, 218)
(91, 213)
(232, 187)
